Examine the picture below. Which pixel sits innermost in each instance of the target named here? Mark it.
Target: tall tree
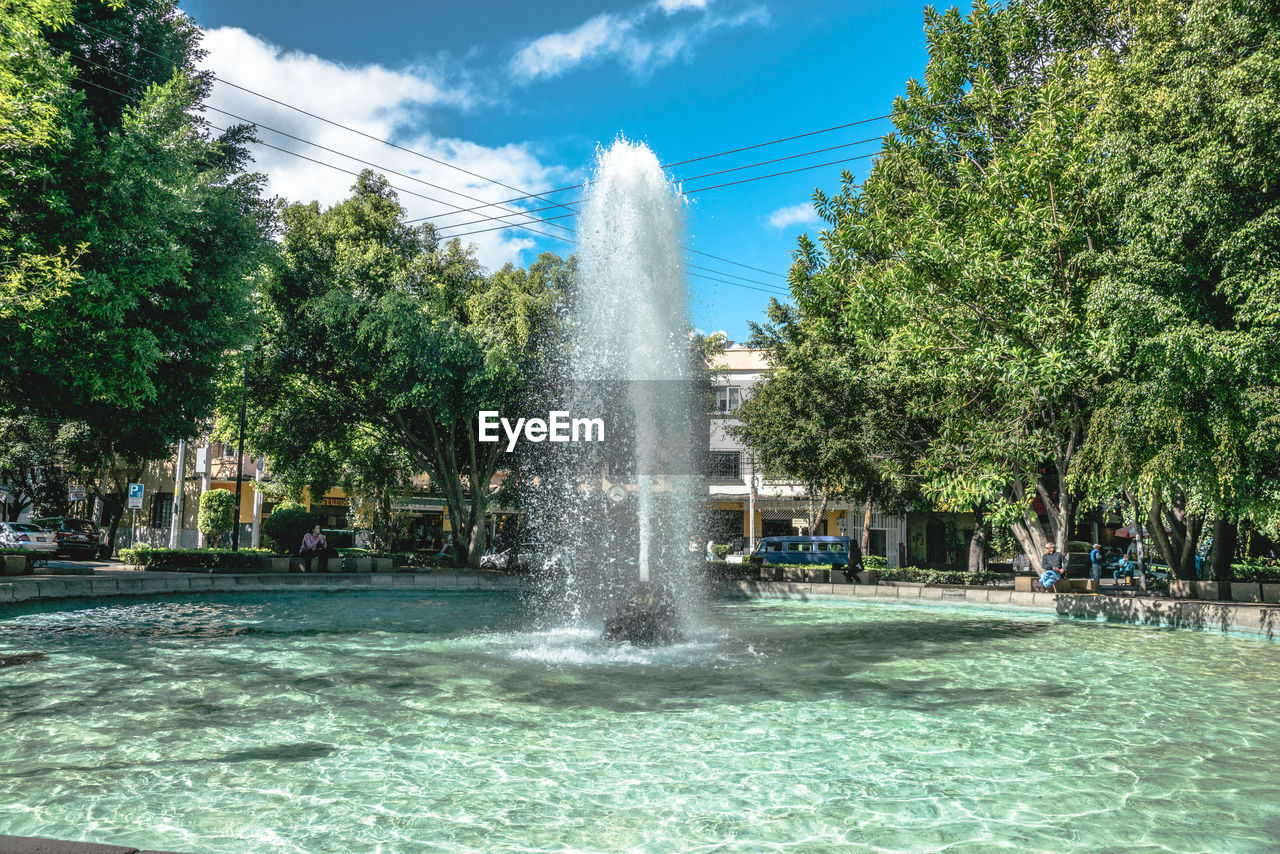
(1186, 143)
(135, 220)
(959, 265)
(375, 333)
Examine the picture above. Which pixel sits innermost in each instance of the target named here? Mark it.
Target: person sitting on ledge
(1053, 565)
(315, 545)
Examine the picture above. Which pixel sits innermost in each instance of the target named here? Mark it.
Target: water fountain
(631, 359)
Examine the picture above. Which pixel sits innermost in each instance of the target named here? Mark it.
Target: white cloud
(626, 39)
(557, 52)
(383, 103)
(801, 214)
(670, 7)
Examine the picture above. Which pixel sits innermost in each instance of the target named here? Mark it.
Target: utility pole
(175, 526)
(244, 393)
(255, 540)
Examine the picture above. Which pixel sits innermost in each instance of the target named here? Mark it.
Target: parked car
(28, 537)
(821, 551)
(76, 537)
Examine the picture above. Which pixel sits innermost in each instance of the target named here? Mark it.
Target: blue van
(807, 551)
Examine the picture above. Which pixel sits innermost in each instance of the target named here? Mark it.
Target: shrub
(720, 551)
(1255, 572)
(724, 571)
(921, 575)
(217, 514)
(152, 558)
(283, 529)
(874, 562)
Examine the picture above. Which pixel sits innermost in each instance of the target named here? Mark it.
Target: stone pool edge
(1250, 619)
(149, 583)
(1260, 620)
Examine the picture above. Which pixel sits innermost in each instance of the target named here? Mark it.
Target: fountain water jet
(631, 357)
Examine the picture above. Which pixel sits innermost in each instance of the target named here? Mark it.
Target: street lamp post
(244, 392)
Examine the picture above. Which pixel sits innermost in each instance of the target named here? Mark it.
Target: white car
(24, 535)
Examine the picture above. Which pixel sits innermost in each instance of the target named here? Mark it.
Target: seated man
(1054, 566)
(315, 545)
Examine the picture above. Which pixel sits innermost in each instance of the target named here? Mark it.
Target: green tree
(31, 465)
(135, 221)
(283, 529)
(958, 270)
(376, 336)
(1186, 141)
(818, 418)
(217, 514)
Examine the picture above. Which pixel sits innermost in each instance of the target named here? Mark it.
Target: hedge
(921, 575)
(1254, 572)
(874, 562)
(152, 558)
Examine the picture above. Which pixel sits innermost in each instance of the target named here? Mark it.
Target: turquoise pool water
(413, 722)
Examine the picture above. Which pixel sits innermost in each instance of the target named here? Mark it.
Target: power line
(411, 192)
(348, 128)
(305, 141)
(776, 141)
(776, 174)
(541, 195)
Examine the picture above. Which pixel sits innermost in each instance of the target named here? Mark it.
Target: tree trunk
(866, 527)
(1225, 536)
(978, 542)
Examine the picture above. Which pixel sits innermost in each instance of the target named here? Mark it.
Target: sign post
(135, 504)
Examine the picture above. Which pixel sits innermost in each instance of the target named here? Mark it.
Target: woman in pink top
(315, 545)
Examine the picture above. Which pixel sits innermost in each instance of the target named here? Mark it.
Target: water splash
(626, 515)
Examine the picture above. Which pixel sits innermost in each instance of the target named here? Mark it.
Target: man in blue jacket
(1054, 566)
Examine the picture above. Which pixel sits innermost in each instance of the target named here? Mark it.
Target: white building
(743, 503)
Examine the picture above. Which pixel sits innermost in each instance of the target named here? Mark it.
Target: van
(809, 551)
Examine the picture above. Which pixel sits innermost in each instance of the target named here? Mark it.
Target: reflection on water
(408, 722)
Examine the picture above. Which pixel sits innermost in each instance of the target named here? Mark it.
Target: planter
(1246, 591)
(840, 576)
(818, 576)
(869, 576)
(381, 564)
(1180, 589)
(15, 564)
(358, 564)
(277, 564)
(1213, 591)
(1270, 593)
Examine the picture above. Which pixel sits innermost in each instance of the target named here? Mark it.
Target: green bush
(720, 551)
(283, 529)
(153, 558)
(874, 562)
(1255, 572)
(724, 571)
(217, 514)
(920, 575)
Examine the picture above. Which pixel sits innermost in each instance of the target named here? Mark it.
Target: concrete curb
(1252, 619)
(149, 583)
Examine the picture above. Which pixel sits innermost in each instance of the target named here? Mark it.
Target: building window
(726, 465)
(728, 398)
(161, 509)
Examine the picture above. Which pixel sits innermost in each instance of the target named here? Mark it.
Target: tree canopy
(380, 343)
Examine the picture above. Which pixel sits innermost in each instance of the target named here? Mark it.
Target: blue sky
(525, 92)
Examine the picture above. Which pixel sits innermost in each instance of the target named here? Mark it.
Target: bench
(1031, 584)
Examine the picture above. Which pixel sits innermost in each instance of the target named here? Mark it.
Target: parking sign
(135, 496)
